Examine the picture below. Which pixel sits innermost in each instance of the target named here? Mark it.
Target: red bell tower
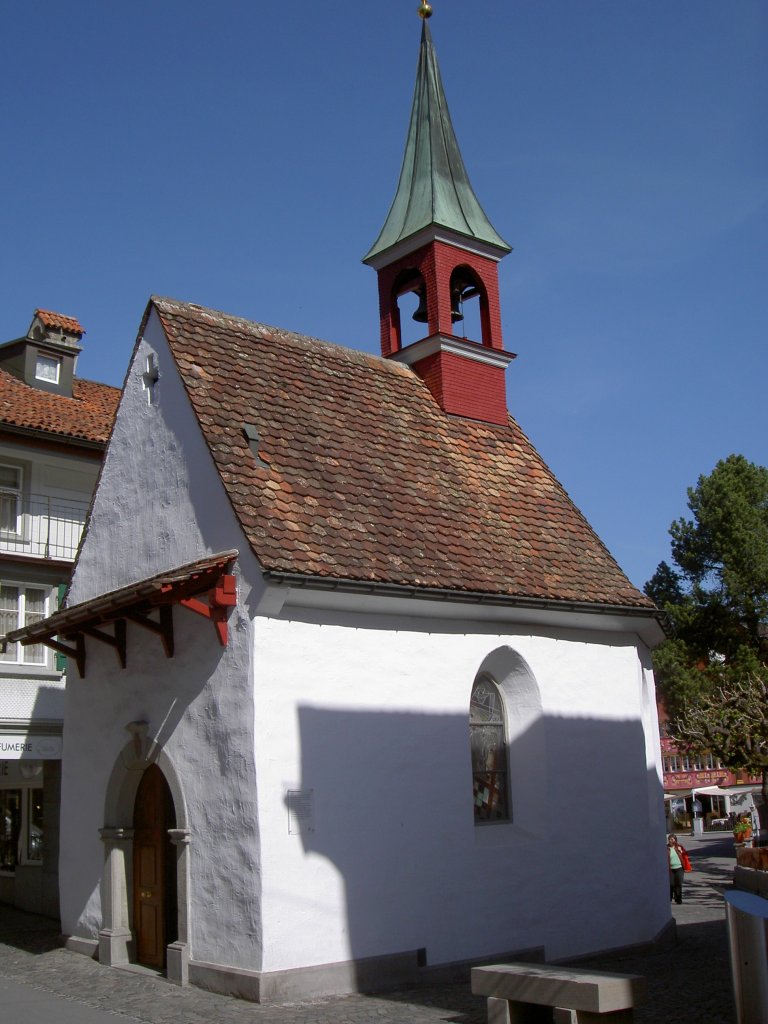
(438, 243)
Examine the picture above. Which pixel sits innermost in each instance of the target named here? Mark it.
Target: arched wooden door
(154, 869)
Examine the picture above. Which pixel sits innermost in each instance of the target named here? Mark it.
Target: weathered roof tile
(86, 416)
(58, 320)
(369, 480)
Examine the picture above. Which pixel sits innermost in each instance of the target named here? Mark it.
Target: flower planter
(753, 857)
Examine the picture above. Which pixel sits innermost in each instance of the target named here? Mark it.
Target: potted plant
(742, 831)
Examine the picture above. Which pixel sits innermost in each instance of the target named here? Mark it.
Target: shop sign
(708, 778)
(23, 747)
(680, 780)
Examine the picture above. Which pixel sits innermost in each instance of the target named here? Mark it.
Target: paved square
(688, 983)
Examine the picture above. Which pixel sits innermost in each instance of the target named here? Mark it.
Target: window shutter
(61, 659)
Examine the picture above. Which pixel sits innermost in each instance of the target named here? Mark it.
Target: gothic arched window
(488, 743)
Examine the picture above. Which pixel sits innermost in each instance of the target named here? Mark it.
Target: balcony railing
(39, 526)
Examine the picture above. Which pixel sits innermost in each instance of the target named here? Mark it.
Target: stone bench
(538, 994)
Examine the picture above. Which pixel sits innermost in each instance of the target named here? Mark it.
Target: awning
(65, 631)
(692, 791)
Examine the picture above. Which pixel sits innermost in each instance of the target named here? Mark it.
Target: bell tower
(438, 243)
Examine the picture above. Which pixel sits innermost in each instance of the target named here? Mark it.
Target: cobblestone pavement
(689, 981)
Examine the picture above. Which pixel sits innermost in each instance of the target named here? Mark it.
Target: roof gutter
(349, 586)
(52, 437)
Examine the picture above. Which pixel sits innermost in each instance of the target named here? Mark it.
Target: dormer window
(46, 357)
(48, 369)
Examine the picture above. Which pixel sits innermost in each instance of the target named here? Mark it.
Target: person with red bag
(679, 863)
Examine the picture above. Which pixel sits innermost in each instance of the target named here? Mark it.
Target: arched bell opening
(408, 308)
(469, 306)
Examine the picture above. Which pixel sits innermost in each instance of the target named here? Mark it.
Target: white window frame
(14, 494)
(27, 656)
(53, 361)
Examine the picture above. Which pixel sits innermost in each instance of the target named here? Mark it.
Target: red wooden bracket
(224, 594)
(222, 597)
(196, 605)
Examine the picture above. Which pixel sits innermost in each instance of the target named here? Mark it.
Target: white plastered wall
(160, 504)
(369, 721)
(24, 700)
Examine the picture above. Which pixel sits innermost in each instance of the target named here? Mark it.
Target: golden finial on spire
(425, 10)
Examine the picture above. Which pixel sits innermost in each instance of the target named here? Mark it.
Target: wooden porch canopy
(206, 587)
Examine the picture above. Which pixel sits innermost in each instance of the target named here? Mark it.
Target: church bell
(456, 313)
(420, 315)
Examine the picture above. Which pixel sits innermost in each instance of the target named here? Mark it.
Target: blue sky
(243, 156)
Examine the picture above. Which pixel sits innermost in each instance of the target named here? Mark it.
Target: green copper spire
(434, 188)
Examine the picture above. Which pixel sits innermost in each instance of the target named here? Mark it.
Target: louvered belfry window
(487, 736)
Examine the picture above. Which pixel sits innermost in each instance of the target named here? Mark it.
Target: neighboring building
(53, 432)
(700, 778)
(359, 692)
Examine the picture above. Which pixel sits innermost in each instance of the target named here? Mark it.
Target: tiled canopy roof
(67, 323)
(358, 475)
(87, 416)
(134, 602)
(164, 588)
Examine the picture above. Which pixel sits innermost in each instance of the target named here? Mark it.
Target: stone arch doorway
(125, 808)
(155, 910)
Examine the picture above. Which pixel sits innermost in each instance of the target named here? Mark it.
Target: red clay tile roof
(67, 323)
(87, 416)
(364, 478)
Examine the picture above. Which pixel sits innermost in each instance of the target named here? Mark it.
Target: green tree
(713, 673)
(732, 721)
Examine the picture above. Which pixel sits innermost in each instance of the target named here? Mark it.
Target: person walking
(679, 863)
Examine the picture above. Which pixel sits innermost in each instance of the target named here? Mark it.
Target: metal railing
(719, 825)
(41, 526)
